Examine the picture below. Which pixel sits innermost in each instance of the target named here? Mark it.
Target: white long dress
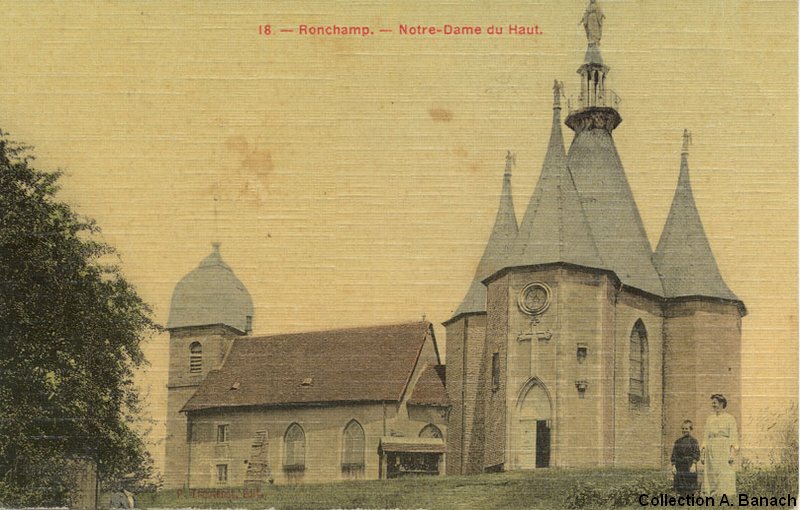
(719, 435)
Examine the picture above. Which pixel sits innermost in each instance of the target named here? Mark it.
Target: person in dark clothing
(685, 455)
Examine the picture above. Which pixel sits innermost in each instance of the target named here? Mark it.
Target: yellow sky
(358, 177)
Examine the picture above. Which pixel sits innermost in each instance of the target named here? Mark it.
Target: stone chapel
(576, 344)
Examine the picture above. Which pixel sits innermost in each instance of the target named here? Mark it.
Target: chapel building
(576, 344)
(322, 406)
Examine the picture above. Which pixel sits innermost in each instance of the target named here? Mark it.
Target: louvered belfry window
(195, 358)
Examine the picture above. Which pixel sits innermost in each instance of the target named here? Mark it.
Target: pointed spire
(497, 250)
(683, 256)
(554, 228)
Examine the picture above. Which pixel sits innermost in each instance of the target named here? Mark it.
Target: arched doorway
(533, 425)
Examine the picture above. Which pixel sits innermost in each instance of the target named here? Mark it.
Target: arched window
(294, 441)
(353, 449)
(195, 358)
(431, 431)
(638, 364)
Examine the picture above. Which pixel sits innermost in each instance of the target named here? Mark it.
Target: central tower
(571, 366)
(595, 348)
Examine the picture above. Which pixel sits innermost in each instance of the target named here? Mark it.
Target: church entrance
(535, 444)
(533, 429)
(542, 444)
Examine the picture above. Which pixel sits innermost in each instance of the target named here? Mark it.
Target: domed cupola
(211, 294)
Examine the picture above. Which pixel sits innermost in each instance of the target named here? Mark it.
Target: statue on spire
(593, 22)
(558, 91)
(687, 141)
(511, 160)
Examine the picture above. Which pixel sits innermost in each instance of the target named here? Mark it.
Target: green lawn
(545, 489)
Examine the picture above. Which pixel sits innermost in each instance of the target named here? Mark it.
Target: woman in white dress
(720, 444)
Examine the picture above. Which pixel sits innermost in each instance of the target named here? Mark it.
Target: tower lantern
(597, 106)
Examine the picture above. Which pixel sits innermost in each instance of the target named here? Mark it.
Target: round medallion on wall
(534, 298)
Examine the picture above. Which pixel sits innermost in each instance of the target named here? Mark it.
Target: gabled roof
(430, 388)
(683, 256)
(497, 250)
(555, 228)
(611, 211)
(357, 365)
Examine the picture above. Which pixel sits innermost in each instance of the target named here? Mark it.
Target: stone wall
(181, 385)
(573, 360)
(463, 374)
(638, 427)
(702, 357)
(490, 418)
(456, 332)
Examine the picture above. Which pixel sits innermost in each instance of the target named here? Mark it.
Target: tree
(71, 328)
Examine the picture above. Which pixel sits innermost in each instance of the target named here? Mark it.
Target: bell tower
(210, 307)
(571, 370)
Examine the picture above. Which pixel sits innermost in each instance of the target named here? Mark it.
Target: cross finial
(216, 212)
(687, 141)
(511, 160)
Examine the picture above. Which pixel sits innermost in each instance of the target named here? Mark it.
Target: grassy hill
(541, 489)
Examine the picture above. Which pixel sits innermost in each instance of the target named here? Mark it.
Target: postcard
(406, 254)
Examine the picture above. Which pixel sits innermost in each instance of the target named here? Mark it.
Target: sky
(354, 180)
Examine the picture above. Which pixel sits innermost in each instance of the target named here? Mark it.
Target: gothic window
(195, 358)
(353, 449)
(294, 459)
(431, 431)
(638, 364)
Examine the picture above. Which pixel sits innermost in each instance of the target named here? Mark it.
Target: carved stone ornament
(534, 298)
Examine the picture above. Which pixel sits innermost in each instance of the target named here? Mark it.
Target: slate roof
(555, 228)
(210, 294)
(683, 256)
(356, 364)
(611, 211)
(430, 388)
(497, 250)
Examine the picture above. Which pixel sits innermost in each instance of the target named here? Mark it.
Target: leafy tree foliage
(70, 333)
